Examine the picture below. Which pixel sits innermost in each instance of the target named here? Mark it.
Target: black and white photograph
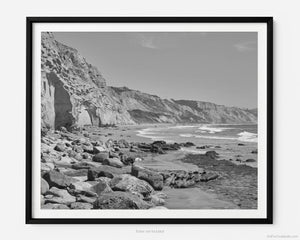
(162, 122)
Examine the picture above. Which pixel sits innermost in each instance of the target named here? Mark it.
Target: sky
(218, 67)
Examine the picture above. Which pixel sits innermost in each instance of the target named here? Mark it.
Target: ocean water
(225, 139)
(202, 133)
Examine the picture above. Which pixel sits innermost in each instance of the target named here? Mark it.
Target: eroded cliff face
(75, 93)
(146, 108)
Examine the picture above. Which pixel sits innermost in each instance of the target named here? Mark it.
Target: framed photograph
(149, 120)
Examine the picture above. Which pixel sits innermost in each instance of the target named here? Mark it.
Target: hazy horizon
(217, 67)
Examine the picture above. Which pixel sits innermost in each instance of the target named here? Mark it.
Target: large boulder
(153, 178)
(100, 157)
(114, 162)
(128, 183)
(120, 200)
(106, 171)
(57, 179)
(76, 173)
(44, 186)
(101, 187)
(60, 196)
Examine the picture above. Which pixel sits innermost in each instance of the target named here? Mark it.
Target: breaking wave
(243, 136)
(247, 137)
(212, 130)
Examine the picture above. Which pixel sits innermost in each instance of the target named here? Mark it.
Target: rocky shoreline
(82, 170)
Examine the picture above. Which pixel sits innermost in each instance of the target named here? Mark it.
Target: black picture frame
(29, 124)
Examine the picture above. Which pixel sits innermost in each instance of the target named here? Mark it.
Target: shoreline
(76, 161)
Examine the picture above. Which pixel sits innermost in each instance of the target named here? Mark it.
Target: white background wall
(286, 115)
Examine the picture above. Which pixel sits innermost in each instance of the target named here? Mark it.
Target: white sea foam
(210, 129)
(182, 126)
(148, 133)
(247, 137)
(243, 136)
(188, 135)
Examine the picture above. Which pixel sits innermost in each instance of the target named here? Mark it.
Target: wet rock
(254, 151)
(57, 179)
(212, 154)
(188, 144)
(81, 205)
(241, 144)
(120, 200)
(208, 177)
(153, 178)
(128, 183)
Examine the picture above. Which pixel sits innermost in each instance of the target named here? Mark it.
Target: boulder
(60, 196)
(114, 162)
(99, 149)
(57, 179)
(153, 178)
(250, 160)
(101, 187)
(60, 147)
(80, 186)
(128, 183)
(85, 199)
(100, 157)
(76, 173)
(254, 151)
(106, 171)
(81, 205)
(212, 154)
(156, 200)
(54, 206)
(44, 186)
(120, 200)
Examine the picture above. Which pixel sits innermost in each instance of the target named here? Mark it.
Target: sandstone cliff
(75, 93)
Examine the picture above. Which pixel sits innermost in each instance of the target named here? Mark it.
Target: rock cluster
(79, 172)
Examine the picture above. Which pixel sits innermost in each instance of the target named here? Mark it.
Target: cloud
(246, 46)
